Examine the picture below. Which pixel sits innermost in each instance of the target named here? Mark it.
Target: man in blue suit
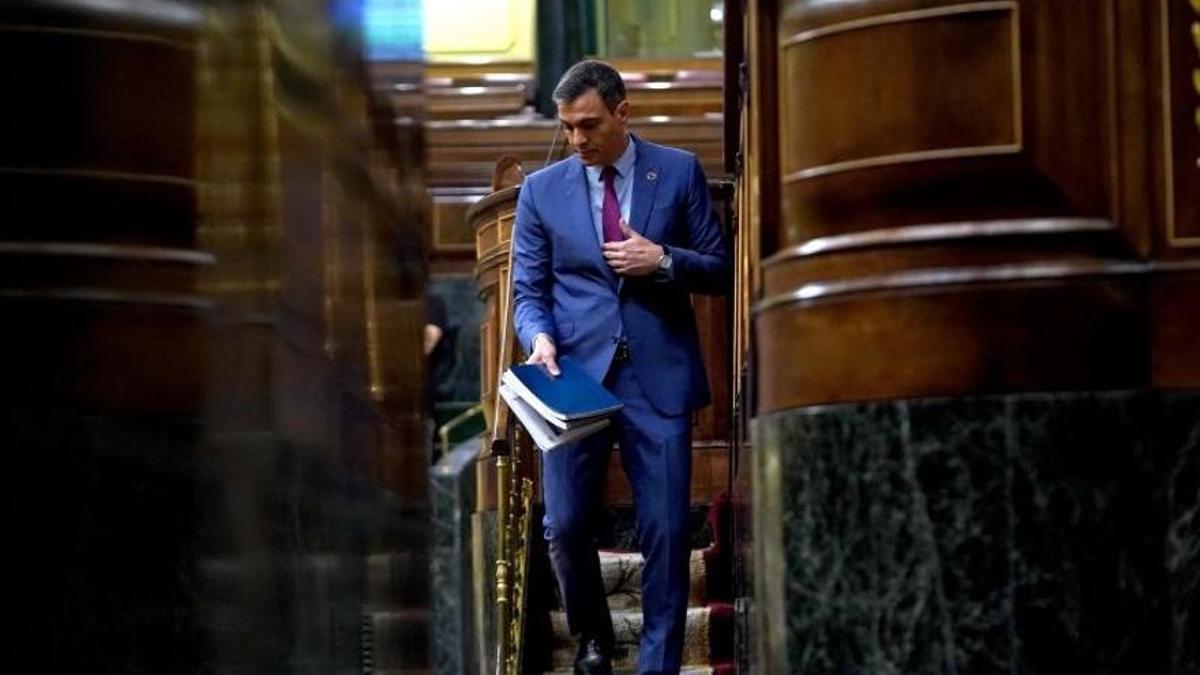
(609, 244)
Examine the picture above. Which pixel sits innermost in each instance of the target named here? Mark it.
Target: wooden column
(975, 335)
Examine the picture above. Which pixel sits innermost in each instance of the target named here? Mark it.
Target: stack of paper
(557, 410)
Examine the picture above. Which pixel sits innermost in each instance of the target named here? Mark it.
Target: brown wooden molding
(837, 260)
(457, 71)
(641, 67)
(813, 32)
(98, 34)
(910, 280)
(105, 296)
(114, 19)
(980, 116)
(1041, 333)
(105, 250)
(479, 210)
(1040, 327)
(940, 232)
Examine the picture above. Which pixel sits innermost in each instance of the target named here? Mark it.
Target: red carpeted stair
(708, 643)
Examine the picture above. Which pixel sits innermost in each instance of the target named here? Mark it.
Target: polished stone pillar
(1008, 533)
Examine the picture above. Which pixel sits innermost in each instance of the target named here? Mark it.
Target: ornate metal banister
(514, 493)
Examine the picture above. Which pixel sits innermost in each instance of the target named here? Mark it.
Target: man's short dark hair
(591, 74)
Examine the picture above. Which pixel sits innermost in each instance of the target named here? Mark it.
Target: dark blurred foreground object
(211, 280)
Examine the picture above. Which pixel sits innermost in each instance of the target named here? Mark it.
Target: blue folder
(573, 395)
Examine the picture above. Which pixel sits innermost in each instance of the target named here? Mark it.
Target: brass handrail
(503, 443)
(455, 422)
(514, 493)
(503, 608)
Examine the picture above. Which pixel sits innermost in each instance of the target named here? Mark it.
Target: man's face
(595, 133)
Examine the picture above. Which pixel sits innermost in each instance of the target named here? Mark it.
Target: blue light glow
(392, 29)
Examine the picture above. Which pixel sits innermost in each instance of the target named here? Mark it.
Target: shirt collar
(624, 163)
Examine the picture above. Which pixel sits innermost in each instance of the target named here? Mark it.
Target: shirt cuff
(533, 342)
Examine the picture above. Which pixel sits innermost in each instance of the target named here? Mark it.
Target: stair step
(698, 649)
(684, 670)
(399, 638)
(400, 578)
(622, 574)
(709, 631)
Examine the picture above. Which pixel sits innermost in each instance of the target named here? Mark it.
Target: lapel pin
(651, 175)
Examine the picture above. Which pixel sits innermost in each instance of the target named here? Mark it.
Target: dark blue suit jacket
(563, 287)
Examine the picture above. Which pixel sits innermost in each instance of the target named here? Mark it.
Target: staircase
(708, 641)
(396, 616)
(396, 621)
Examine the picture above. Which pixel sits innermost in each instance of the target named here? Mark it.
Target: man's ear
(622, 111)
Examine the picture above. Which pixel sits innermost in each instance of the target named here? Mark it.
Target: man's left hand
(637, 256)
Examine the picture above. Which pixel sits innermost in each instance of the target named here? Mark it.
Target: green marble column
(1033, 533)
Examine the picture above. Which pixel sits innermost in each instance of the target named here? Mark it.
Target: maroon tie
(610, 213)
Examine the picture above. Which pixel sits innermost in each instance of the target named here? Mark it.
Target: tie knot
(608, 173)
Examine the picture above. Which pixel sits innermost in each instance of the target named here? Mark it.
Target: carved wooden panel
(861, 78)
(492, 220)
(452, 235)
(960, 179)
(1180, 38)
(953, 111)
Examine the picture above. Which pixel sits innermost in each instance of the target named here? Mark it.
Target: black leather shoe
(592, 659)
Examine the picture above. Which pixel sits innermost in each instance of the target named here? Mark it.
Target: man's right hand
(545, 352)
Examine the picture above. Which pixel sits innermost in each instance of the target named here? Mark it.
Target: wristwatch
(664, 260)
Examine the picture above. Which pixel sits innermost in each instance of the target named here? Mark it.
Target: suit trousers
(656, 453)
